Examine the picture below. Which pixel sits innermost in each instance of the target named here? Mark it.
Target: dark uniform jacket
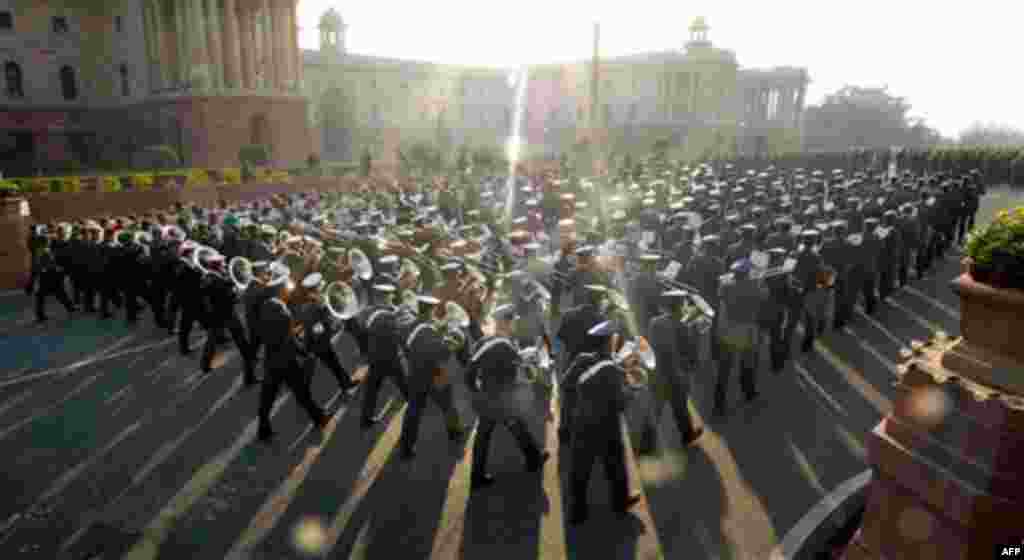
(382, 340)
(282, 349)
(675, 345)
(601, 395)
(491, 376)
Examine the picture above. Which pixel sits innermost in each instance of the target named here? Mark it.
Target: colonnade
(222, 44)
(783, 102)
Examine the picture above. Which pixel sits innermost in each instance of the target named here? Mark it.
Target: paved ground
(120, 448)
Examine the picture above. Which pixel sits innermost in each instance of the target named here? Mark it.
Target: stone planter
(991, 317)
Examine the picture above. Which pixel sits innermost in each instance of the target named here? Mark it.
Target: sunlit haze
(954, 64)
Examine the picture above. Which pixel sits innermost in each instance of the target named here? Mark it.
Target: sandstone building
(697, 97)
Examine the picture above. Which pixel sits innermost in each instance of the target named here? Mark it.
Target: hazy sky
(956, 65)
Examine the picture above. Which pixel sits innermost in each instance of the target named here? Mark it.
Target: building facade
(89, 84)
(697, 98)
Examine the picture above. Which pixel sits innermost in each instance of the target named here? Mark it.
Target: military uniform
(284, 364)
(601, 397)
(491, 377)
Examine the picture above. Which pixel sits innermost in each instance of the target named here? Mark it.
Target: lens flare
(929, 405)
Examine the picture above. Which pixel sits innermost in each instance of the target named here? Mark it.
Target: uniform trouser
(924, 258)
(968, 222)
(175, 307)
(775, 329)
(516, 425)
(85, 291)
(676, 393)
(51, 285)
(847, 290)
(329, 357)
(742, 345)
(131, 294)
(190, 314)
(108, 292)
(254, 336)
(421, 387)
(589, 445)
(77, 285)
(905, 258)
(376, 374)
(886, 277)
(293, 376)
(795, 313)
(867, 288)
(234, 326)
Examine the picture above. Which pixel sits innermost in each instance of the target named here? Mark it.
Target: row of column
(222, 44)
(775, 103)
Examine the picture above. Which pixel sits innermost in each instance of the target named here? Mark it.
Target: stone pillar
(158, 43)
(232, 54)
(181, 41)
(216, 50)
(282, 38)
(200, 59)
(246, 47)
(296, 50)
(270, 67)
(148, 31)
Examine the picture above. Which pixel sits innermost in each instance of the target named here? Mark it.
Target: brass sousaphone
(241, 272)
(341, 300)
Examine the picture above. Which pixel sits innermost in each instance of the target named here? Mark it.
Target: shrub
(254, 154)
(232, 175)
(111, 184)
(197, 178)
(8, 189)
(143, 181)
(159, 156)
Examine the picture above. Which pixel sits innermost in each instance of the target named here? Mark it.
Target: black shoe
(408, 454)
(692, 439)
(251, 380)
(266, 434)
(538, 464)
(185, 351)
(456, 436)
(630, 503)
(41, 320)
(368, 422)
(751, 397)
(807, 346)
(321, 422)
(482, 481)
(578, 517)
(106, 316)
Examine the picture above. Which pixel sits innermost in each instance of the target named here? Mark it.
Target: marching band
(666, 267)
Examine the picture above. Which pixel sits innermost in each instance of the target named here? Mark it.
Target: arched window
(12, 75)
(126, 88)
(68, 85)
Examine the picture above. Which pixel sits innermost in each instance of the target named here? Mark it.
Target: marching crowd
(431, 279)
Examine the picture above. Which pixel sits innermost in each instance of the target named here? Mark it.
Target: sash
(592, 371)
(415, 333)
(373, 317)
(488, 345)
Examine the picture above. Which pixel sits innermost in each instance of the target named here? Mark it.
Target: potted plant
(8, 189)
(995, 251)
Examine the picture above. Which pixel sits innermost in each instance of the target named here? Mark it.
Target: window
(118, 24)
(126, 89)
(6, 21)
(632, 111)
(375, 114)
(68, 85)
(12, 77)
(60, 24)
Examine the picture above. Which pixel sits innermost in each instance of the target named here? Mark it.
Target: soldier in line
(380, 342)
(738, 333)
(602, 396)
(572, 333)
(285, 356)
(491, 377)
(320, 327)
(47, 276)
(219, 290)
(674, 339)
(427, 355)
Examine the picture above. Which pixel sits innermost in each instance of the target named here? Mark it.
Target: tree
(991, 134)
(859, 117)
(462, 159)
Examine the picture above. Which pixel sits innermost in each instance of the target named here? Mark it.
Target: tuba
(341, 300)
(240, 271)
(200, 254)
